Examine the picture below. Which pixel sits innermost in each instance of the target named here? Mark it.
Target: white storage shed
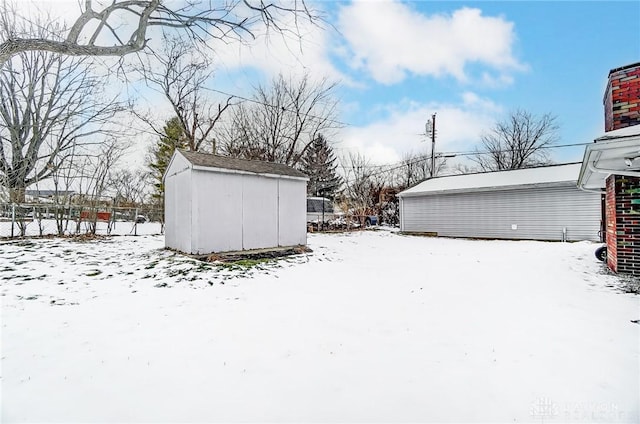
(220, 204)
(540, 203)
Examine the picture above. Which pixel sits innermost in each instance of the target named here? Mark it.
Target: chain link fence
(35, 220)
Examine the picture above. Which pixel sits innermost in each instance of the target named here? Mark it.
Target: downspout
(581, 186)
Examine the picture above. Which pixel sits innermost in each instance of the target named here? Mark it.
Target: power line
(473, 152)
(284, 109)
(345, 124)
(417, 159)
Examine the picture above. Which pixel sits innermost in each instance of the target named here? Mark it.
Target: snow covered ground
(371, 327)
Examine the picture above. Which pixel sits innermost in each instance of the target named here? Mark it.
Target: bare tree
(520, 141)
(62, 179)
(129, 187)
(180, 74)
(49, 104)
(363, 187)
(461, 169)
(280, 122)
(415, 168)
(96, 169)
(99, 30)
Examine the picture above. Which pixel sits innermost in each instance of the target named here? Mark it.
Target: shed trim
(240, 172)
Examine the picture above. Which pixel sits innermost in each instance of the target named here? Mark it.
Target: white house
(220, 204)
(540, 203)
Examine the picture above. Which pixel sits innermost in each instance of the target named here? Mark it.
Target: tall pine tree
(160, 154)
(319, 163)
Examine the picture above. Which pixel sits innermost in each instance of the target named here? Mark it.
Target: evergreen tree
(319, 163)
(161, 153)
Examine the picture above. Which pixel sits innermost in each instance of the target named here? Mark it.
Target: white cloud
(287, 54)
(65, 10)
(458, 128)
(390, 39)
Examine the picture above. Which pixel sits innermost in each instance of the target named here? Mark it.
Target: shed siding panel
(292, 222)
(217, 222)
(536, 213)
(259, 212)
(177, 211)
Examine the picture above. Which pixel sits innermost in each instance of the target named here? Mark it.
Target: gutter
(552, 184)
(591, 166)
(592, 190)
(594, 168)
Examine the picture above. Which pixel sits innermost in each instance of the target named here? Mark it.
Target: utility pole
(431, 130)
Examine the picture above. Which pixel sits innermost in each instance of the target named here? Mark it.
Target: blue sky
(471, 63)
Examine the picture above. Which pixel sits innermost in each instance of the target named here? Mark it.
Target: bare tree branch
(520, 141)
(281, 121)
(49, 105)
(196, 20)
(180, 75)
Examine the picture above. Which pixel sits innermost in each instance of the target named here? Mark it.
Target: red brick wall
(623, 224)
(622, 98)
(608, 108)
(611, 227)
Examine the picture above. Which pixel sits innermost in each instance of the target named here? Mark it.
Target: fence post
(135, 223)
(13, 217)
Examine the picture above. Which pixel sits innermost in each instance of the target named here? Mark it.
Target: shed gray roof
(208, 160)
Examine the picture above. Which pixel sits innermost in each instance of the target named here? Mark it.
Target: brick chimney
(622, 98)
(622, 222)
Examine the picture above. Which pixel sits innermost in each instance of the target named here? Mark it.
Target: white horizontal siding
(536, 213)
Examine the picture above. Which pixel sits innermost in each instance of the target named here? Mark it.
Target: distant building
(47, 196)
(221, 204)
(540, 203)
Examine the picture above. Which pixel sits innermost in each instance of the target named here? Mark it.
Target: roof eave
(242, 172)
(166, 170)
(591, 167)
(489, 188)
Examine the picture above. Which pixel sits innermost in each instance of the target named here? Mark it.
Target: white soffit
(616, 152)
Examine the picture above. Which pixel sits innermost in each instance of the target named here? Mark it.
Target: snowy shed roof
(207, 161)
(497, 180)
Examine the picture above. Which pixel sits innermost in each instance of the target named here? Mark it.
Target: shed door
(259, 212)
